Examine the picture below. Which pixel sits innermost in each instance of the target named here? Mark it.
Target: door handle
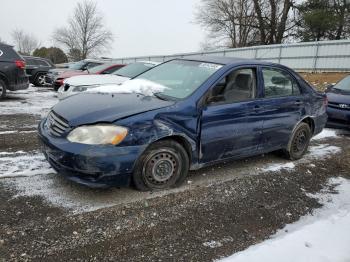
(298, 102)
(257, 107)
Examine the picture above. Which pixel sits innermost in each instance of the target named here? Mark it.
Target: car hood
(87, 80)
(338, 96)
(91, 108)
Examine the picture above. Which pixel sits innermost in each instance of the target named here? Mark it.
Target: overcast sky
(140, 27)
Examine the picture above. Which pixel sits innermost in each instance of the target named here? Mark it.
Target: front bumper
(338, 118)
(93, 166)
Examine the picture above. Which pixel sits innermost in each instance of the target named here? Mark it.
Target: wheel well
(183, 142)
(4, 79)
(311, 123)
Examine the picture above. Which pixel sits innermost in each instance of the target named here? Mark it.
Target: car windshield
(180, 77)
(343, 84)
(134, 69)
(77, 65)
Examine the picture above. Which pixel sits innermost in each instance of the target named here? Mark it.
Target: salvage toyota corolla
(203, 110)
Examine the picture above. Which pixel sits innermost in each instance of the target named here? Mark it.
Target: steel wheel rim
(300, 141)
(41, 80)
(161, 168)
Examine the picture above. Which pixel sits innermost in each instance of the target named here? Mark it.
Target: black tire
(2, 89)
(299, 142)
(164, 164)
(40, 80)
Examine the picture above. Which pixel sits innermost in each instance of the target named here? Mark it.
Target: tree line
(84, 35)
(240, 23)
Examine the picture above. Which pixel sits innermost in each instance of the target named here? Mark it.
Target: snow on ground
(315, 152)
(326, 133)
(323, 236)
(14, 164)
(36, 101)
(141, 86)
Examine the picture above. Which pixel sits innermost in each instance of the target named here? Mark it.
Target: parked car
(211, 109)
(12, 70)
(80, 66)
(77, 84)
(37, 68)
(97, 70)
(338, 109)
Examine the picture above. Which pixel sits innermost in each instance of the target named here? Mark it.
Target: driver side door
(231, 125)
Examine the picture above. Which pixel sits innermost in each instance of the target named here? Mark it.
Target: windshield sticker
(1, 52)
(210, 66)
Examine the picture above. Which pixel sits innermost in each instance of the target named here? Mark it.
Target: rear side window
(8, 53)
(278, 83)
(42, 63)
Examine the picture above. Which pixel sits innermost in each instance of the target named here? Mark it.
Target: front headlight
(98, 135)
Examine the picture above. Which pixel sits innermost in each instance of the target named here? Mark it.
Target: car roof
(224, 60)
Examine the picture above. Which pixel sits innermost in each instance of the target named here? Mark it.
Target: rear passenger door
(230, 122)
(282, 107)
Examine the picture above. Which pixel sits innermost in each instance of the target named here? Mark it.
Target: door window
(278, 83)
(237, 86)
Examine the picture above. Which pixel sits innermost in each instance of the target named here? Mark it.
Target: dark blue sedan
(211, 109)
(339, 104)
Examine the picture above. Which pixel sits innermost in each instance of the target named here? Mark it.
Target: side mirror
(329, 88)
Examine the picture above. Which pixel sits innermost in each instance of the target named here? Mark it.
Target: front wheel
(299, 142)
(2, 89)
(164, 164)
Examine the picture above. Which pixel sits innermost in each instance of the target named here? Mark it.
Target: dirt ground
(321, 80)
(220, 210)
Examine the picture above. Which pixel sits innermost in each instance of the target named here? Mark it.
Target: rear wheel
(2, 89)
(40, 80)
(163, 165)
(299, 142)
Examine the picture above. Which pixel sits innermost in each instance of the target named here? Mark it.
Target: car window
(92, 64)
(278, 83)
(344, 84)
(134, 69)
(42, 63)
(31, 62)
(237, 86)
(112, 70)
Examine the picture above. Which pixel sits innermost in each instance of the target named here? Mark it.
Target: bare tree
(25, 43)
(238, 23)
(85, 31)
(274, 20)
(229, 22)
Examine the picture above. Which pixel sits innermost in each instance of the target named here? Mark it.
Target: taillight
(20, 64)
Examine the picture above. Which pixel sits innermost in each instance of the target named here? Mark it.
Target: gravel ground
(219, 211)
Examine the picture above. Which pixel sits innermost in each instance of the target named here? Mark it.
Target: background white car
(81, 83)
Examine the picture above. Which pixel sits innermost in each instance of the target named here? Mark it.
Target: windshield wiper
(161, 97)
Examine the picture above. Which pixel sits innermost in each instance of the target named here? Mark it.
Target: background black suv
(37, 68)
(12, 70)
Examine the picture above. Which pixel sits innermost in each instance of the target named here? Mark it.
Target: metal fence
(325, 56)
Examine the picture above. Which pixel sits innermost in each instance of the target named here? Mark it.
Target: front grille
(56, 124)
(339, 106)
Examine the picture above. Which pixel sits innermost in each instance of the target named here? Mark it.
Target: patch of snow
(16, 132)
(326, 133)
(212, 244)
(141, 86)
(322, 151)
(278, 167)
(322, 236)
(33, 101)
(14, 164)
(87, 80)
